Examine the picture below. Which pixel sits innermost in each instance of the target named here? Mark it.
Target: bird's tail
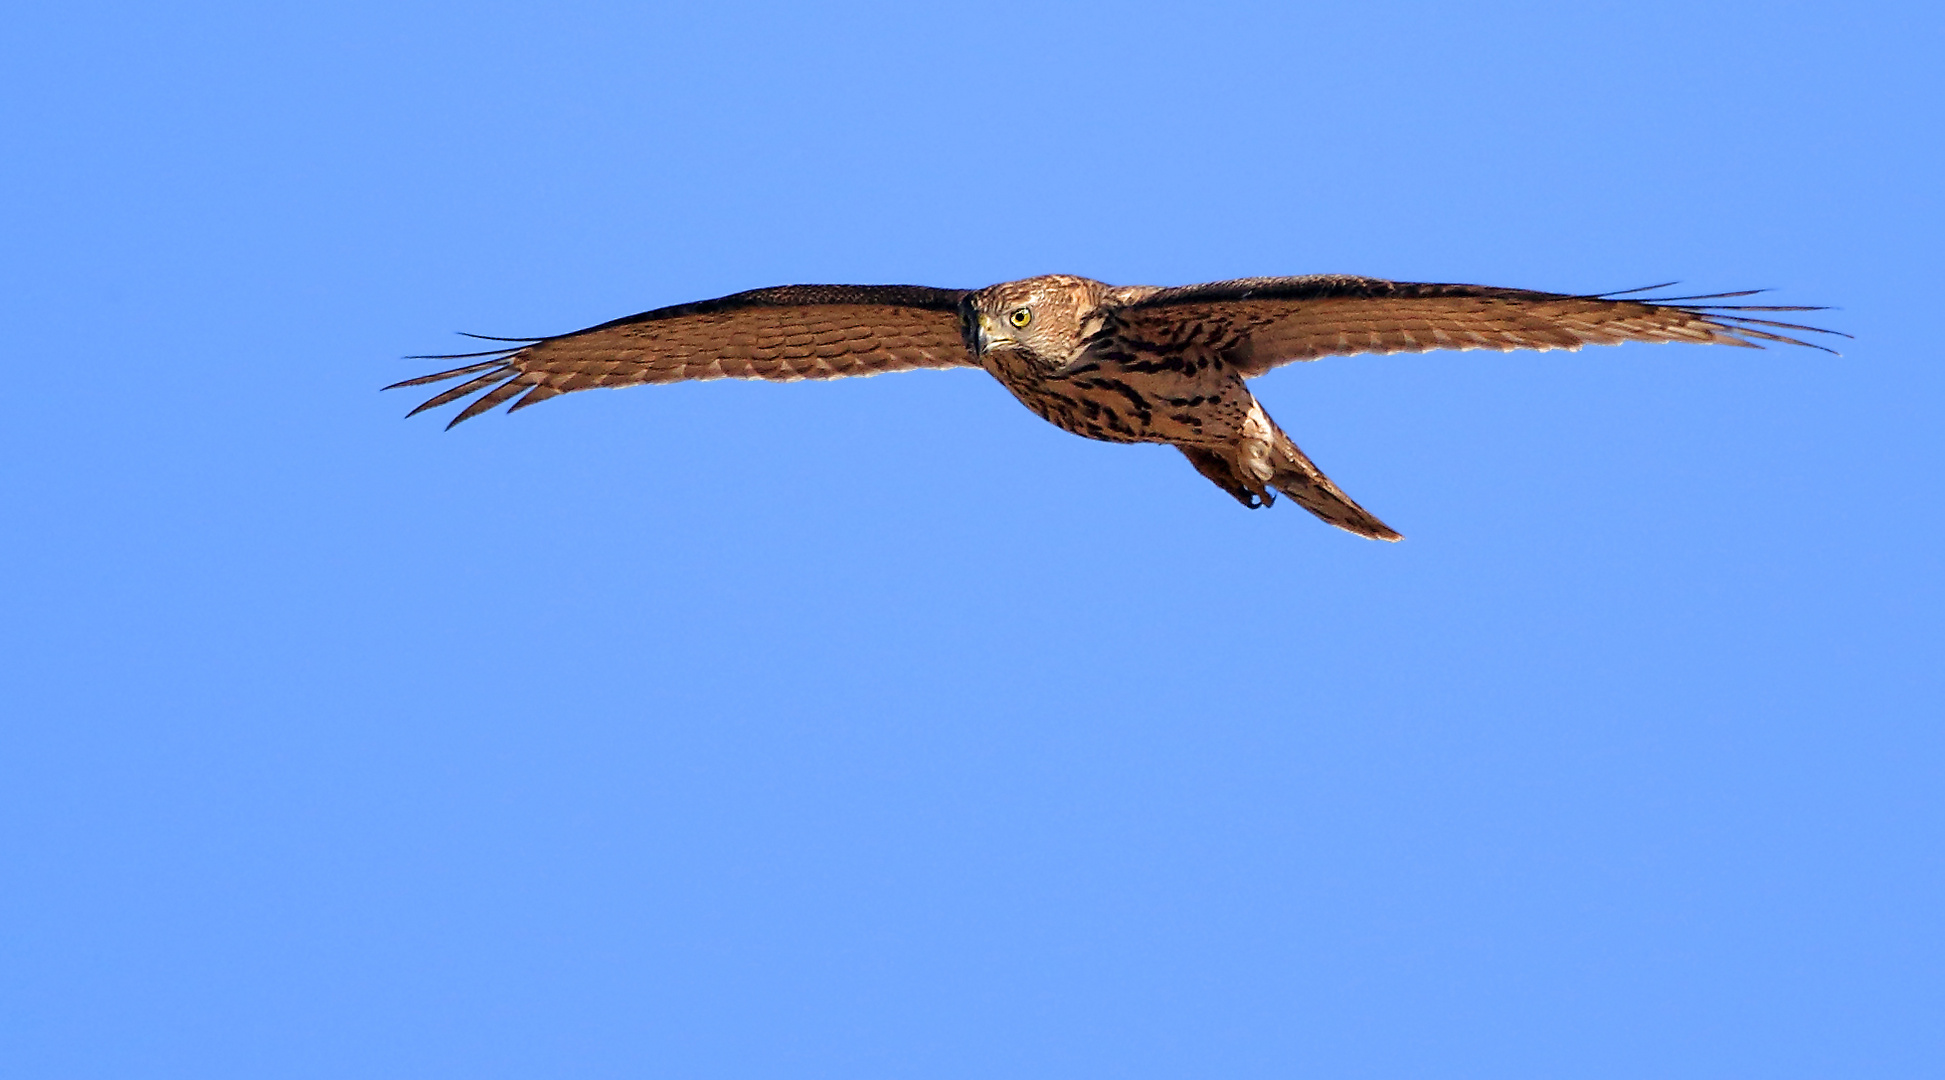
(1296, 476)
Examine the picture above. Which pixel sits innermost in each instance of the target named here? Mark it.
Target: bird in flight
(1122, 363)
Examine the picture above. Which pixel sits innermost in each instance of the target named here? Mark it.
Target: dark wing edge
(1551, 320)
(543, 367)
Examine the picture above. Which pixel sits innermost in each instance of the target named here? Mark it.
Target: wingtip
(490, 337)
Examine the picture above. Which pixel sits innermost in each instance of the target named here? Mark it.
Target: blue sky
(876, 728)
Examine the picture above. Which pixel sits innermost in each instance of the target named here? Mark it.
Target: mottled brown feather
(783, 334)
(1304, 483)
(1280, 320)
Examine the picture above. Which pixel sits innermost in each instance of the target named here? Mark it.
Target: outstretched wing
(788, 333)
(1265, 322)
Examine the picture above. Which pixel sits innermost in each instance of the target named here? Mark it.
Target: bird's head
(1046, 318)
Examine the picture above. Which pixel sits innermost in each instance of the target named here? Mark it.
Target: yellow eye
(1020, 317)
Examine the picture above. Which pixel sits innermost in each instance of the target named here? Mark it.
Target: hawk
(1123, 363)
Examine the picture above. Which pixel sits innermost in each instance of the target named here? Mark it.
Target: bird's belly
(1192, 409)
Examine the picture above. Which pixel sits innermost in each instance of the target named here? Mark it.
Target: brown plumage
(1122, 364)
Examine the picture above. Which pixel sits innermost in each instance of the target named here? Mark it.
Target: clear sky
(876, 728)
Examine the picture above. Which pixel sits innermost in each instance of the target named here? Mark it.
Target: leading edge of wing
(923, 297)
